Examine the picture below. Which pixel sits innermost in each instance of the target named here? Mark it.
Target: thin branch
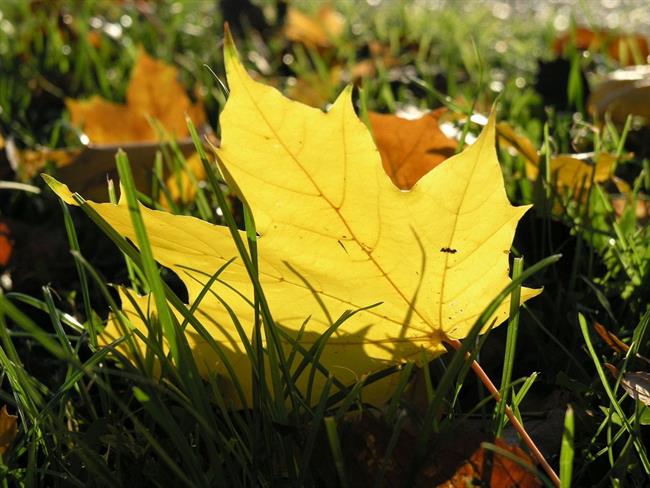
(536, 453)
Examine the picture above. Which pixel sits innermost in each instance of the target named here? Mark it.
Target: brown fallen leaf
(409, 149)
(623, 92)
(500, 471)
(153, 91)
(457, 460)
(8, 429)
(610, 339)
(641, 206)
(316, 31)
(637, 385)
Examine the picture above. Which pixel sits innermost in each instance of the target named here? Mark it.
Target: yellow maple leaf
(153, 91)
(335, 234)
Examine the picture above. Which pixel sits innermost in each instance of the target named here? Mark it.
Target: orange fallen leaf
(409, 149)
(6, 245)
(499, 472)
(610, 339)
(8, 429)
(627, 49)
(153, 91)
(27, 163)
(316, 31)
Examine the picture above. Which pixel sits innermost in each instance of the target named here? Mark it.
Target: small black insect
(448, 250)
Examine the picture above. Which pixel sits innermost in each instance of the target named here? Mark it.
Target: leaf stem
(485, 379)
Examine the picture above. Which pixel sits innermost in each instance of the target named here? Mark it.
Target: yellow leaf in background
(153, 91)
(318, 31)
(410, 148)
(509, 138)
(8, 429)
(336, 234)
(569, 171)
(181, 188)
(575, 174)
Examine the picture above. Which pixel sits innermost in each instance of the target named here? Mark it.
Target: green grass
(89, 416)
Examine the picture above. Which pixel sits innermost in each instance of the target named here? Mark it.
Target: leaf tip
(229, 48)
(61, 189)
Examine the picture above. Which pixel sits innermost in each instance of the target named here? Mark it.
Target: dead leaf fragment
(409, 149)
(316, 32)
(623, 92)
(610, 339)
(8, 429)
(6, 244)
(502, 471)
(153, 91)
(637, 385)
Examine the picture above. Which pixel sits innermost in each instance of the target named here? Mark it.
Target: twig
(536, 453)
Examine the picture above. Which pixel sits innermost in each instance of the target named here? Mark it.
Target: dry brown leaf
(642, 206)
(316, 32)
(153, 91)
(503, 472)
(637, 385)
(610, 339)
(8, 429)
(624, 92)
(409, 149)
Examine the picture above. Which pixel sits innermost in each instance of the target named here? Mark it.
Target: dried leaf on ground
(336, 235)
(622, 93)
(27, 163)
(637, 385)
(610, 339)
(409, 149)
(318, 31)
(153, 91)
(6, 244)
(456, 460)
(8, 429)
(640, 203)
(627, 48)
